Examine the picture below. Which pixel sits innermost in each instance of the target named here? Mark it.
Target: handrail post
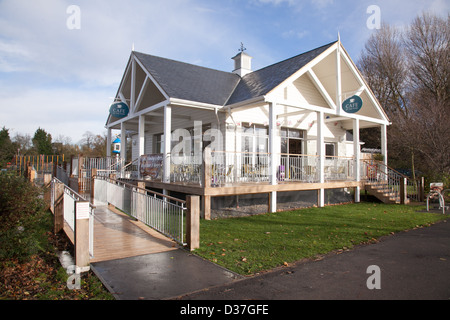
(58, 219)
(82, 258)
(193, 222)
(93, 175)
(403, 191)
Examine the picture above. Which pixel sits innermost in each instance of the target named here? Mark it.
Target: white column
(272, 154)
(167, 141)
(272, 151)
(384, 143)
(338, 79)
(321, 156)
(108, 142)
(141, 135)
(133, 85)
(357, 155)
(123, 142)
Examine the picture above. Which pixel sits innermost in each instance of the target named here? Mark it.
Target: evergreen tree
(7, 148)
(42, 142)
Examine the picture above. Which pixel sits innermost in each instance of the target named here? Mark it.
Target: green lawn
(253, 244)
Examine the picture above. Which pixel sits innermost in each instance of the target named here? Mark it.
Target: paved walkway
(413, 265)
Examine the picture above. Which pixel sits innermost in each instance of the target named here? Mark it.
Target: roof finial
(339, 37)
(242, 49)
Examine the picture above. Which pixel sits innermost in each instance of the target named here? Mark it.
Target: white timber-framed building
(280, 129)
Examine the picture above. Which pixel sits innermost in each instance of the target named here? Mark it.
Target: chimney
(242, 63)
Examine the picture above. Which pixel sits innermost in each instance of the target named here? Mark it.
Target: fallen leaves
(40, 277)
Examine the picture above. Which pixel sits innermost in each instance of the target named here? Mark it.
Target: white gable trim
(335, 110)
(304, 69)
(151, 78)
(321, 88)
(364, 85)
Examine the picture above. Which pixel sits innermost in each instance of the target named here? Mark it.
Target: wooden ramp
(118, 236)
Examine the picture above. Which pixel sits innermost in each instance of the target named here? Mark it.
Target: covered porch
(287, 127)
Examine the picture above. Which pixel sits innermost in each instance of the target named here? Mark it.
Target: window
(159, 143)
(255, 138)
(292, 141)
(159, 139)
(330, 150)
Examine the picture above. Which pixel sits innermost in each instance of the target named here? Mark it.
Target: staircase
(383, 182)
(383, 192)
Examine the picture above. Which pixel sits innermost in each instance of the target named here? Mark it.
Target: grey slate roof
(190, 82)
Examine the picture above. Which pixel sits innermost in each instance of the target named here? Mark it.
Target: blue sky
(63, 80)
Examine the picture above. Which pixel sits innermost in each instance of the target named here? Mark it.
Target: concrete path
(160, 275)
(413, 265)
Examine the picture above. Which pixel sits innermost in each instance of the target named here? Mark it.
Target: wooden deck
(118, 236)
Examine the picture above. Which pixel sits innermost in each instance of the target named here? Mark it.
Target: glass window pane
(284, 144)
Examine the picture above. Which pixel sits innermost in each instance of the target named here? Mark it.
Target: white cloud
(48, 72)
(65, 112)
(322, 3)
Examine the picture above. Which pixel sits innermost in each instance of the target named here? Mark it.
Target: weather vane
(242, 49)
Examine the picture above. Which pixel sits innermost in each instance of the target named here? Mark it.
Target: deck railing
(228, 167)
(72, 210)
(399, 185)
(161, 212)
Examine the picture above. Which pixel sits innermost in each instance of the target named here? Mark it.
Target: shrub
(23, 218)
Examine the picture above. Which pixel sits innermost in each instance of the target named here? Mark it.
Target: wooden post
(193, 222)
(206, 207)
(206, 180)
(54, 168)
(80, 172)
(403, 191)
(58, 220)
(422, 189)
(82, 259)
(93, 175)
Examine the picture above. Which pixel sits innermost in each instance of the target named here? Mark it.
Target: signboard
(437, 186)
(352, 104)
(119, 109)
(150, 165)
(82, 210)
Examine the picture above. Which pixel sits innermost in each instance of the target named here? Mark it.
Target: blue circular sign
(119, 109)
(352, 104)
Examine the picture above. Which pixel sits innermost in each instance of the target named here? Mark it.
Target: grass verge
(257, 243)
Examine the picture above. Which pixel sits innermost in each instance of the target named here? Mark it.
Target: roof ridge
(300, 54)
(178, 61)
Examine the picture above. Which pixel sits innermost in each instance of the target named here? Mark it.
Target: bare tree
(409, 73)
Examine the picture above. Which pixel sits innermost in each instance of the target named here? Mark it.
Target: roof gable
(261, 82)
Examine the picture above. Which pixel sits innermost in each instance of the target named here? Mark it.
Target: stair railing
(383, 176)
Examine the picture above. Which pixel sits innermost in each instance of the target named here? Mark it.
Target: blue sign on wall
(119, 109)
(352, 104)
